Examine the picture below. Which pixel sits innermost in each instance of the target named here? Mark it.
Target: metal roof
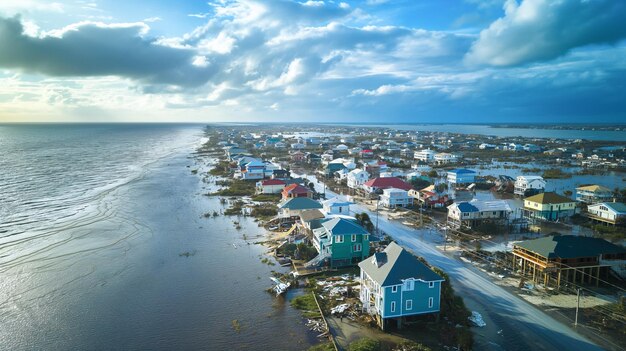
(549, 198)
(396, 265)
(343, 226)
(300, 203)
(570, 246)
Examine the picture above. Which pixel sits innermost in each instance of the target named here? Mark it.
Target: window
(357, 248)
(353, 237)
(431, 302)
(366, 237)
(339, 209)
(408, 285)
(431, 284)
(338, 238)
(409, 305)
(393, 306)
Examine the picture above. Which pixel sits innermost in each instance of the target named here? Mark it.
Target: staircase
(318, 260)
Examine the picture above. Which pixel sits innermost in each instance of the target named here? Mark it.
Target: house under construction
(555, 260)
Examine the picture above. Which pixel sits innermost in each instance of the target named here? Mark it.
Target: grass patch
(306, 304)
(266, 198)
(238, 188)
(555, 173)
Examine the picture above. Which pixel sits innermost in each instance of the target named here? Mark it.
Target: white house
(443, 158)
(270, 186)
(426, 155)
(336, 206)
(356, 178)
(475, 212)
(422, 168)
(394, 197)
(341, 147)
(529, 185)
(608, 212)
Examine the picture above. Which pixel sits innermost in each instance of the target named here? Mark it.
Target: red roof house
(296, 190)
(386, 183)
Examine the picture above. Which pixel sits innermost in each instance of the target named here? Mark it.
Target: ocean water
(104, 246)
(605, 135)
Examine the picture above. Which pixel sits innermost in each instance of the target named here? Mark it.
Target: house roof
(549, 198)
(395, 265)
(618, 207)
(343, 226)
(462, 171)
(272, 182)
(335, 202)
(300, 203)
(594, 188)
(309, 215)
(467, 207)
(388, 182)
(570, 246)
(296, 189)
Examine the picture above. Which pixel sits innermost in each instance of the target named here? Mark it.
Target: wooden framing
(542, 268)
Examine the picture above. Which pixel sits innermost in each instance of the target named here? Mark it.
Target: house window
(431, 284)
(394, 289)
(338, 238)
(409, 305)
(353, 238)
(393, 306)
(357, 248)
(339, 209)
(366, 237)
(431, 302)
(408, 285)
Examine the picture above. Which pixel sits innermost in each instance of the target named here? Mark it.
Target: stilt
(598, 276)
(574, 276)
(545, 279)
(558, 280)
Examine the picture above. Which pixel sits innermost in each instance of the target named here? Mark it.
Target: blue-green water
(505, 132)
(95, 225)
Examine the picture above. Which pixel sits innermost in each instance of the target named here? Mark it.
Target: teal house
(395, 285)
(340, 242)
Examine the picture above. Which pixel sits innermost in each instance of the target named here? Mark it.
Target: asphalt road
(512, 323)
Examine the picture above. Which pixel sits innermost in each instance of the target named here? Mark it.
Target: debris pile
(477, 319)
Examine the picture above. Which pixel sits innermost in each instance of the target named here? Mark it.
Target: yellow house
(549, 206)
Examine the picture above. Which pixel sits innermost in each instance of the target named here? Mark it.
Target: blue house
(395, 285)
(461, 176)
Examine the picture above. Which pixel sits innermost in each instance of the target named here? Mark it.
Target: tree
(312, 186)
(567, 193)
(433, 174)
(365, 221)
(441, 187)
(419, 183)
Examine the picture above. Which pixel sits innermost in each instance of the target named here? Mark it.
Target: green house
(340, 242)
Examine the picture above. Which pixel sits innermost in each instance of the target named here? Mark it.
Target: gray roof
(342, 226)
(570, 246)
(619, 207)
(309, 215)
(397, 265)
(300, 203)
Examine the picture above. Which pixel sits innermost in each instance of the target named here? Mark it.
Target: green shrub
(364, 344)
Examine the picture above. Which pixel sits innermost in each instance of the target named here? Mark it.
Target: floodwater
(104, 246)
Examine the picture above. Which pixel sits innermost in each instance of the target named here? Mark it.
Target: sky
(405, 61)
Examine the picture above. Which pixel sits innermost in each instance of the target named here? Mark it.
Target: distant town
(418, 240)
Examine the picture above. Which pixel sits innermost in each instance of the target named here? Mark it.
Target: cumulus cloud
(539, 30)
(96, 49)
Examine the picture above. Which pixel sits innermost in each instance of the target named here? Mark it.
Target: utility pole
(577, 306)
(445, 236)
(377, 200)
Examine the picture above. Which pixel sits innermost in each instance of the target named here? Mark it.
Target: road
(512, 323)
